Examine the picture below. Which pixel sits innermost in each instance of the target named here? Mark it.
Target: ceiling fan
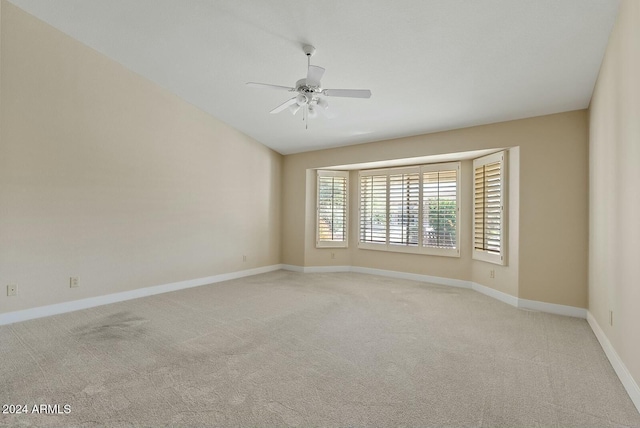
(309, 91)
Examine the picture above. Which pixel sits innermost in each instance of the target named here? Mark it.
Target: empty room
(319, 213)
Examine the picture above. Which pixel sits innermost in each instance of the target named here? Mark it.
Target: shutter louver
(373, 209)
(332, 208)
(439, 209)
(404, 209)
(488, 208)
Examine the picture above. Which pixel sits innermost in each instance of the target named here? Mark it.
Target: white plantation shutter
(488, 208)
(404, 206)
(332, 203)
(440, 209)
(373, 209)
(412, 209)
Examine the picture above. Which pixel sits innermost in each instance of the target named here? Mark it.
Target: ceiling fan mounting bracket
(309, 50)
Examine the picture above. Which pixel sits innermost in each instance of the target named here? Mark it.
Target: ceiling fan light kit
(294, 108)
(310, 93)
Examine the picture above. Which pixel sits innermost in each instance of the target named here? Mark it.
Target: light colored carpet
(289, 349)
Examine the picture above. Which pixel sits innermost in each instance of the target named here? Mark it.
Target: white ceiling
(431, 65)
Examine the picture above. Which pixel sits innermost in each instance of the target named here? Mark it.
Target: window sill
(483, 256)
(328, 244)
(441, 252)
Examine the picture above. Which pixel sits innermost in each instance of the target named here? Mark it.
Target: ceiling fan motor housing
(307, 88)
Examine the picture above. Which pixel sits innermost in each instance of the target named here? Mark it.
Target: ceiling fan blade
(350, 93)
(283, 106)
(266, 85)
(314, 74)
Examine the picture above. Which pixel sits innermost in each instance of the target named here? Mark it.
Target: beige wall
(614, 268)
(552, 233)
(108, 177)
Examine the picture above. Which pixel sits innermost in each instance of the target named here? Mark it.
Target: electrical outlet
(12, 290)
(244, 258)
(492, 273)
(74, 282)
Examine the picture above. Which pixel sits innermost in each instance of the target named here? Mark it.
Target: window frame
(482, 254)
(332, 244)
(419, 248)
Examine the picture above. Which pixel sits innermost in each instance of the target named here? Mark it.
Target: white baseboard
(553, 308)
(498, 295)
(621, 370)
(326, 269)
(293, 268)
(75, 305)
(316, 269)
